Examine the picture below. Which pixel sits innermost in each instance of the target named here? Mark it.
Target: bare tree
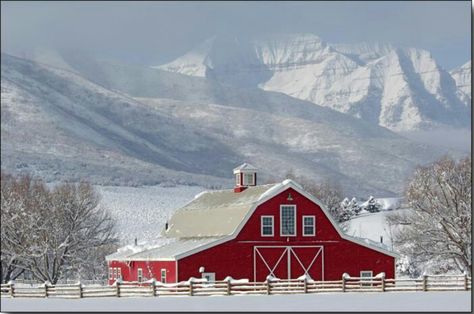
(51, 231)
(438, 229)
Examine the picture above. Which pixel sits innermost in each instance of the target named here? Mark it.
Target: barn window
(140, 275)
(210, 277)
(308, 226)
(248, 179)
(365, 275)
(119, 273)
(163, 275)
(111, 273)
(115, 273)
(267, 226)
(287, 220)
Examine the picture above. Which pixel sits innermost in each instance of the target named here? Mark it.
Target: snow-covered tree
(354, 207)
(372, 205)
(438, 228)
(346, 210)
(50, 231)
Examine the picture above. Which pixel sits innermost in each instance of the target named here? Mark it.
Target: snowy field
(142, 212)
(373, 226)
(362, 302)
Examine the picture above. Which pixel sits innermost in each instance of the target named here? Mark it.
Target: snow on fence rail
(200, 287)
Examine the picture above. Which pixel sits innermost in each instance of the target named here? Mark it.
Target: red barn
(253, 231)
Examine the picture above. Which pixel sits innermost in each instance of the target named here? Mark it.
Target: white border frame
(273, 226)
(314, 225)
(296, 222)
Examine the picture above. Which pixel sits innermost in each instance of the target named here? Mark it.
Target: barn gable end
(253, 232)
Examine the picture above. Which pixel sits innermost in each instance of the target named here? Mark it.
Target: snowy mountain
(127, 125)
(462, 77)
(60, 125)
(401, 89)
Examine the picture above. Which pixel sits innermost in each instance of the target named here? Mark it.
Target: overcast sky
(157, 32)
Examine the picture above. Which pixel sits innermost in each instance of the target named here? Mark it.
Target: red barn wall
(236, 257)
(150, 269)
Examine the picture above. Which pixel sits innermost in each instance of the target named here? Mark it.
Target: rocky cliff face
(401, 89)
(462, 77)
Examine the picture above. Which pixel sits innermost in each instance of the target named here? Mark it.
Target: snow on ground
(388, 301)
(142, 212)
(372, 226)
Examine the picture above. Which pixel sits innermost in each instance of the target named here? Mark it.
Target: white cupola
(245, 176)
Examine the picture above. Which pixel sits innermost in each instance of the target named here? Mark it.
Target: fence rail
(235, 287)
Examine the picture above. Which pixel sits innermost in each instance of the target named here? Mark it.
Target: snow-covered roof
(245, 166)
(215, 213)
(172, 250)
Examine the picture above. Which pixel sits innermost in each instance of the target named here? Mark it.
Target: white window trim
(361, 280)
(314, 226)
(246, 182)
(111, 273)
(261, 226)
(119, 272)
(281, 221)
(161, 275)
(139, 275)
(237, 179)
(213, 275)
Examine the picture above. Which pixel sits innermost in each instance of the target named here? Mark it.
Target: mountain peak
(398, 88)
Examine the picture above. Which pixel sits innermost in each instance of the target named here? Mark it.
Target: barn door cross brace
(312, 262)
(278, 262)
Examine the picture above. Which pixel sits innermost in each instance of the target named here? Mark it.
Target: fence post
(305, 285)
(153, 288)
(425, 279)
(229, 287)
(80, 290)
(383, 283)
(343, 283)
(46, 289)
(268, 286)
(12, 290)
(117, 283)
(465, 281)
(190, 287)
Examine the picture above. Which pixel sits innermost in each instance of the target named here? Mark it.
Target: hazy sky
(157, 32)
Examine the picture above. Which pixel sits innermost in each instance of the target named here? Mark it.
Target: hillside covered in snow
(401, 89)
(130, 125)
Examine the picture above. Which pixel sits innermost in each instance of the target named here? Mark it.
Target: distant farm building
(253, 231)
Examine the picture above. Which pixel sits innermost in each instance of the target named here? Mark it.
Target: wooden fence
(234, 287)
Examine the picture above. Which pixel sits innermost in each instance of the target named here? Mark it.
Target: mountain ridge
(134, 125)
(399, 88)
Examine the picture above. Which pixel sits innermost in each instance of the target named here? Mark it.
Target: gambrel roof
(214, 213)
(215, 217)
